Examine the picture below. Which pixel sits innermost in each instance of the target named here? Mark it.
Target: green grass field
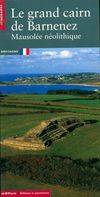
(56, 190)
(20, 113)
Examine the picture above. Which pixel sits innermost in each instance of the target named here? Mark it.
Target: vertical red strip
(27, 51)
(2, 15)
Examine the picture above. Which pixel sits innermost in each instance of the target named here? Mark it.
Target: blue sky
(52, 60)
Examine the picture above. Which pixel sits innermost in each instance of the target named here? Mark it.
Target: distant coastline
(78, 84)
(77, 79)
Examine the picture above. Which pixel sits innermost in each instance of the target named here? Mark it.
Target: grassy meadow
(56, 190)
(20, 113)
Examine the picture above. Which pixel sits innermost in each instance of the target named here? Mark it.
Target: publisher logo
(26, 193)
(2, 15)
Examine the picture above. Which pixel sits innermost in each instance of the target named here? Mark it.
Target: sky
(52, 60)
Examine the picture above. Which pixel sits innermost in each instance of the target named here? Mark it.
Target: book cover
(50, 98)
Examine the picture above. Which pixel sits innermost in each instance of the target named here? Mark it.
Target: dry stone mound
(45, 133)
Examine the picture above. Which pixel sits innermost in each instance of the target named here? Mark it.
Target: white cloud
(54, 54)
(51, 54)
(65, 54)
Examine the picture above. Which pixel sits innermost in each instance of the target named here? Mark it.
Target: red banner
(25, 193)
(2, 15)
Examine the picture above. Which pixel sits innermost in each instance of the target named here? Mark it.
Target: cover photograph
(49, 98)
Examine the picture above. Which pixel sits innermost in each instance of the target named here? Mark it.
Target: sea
(12, 77)
(38, 89)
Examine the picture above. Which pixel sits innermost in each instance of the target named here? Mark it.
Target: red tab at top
(2, 15)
